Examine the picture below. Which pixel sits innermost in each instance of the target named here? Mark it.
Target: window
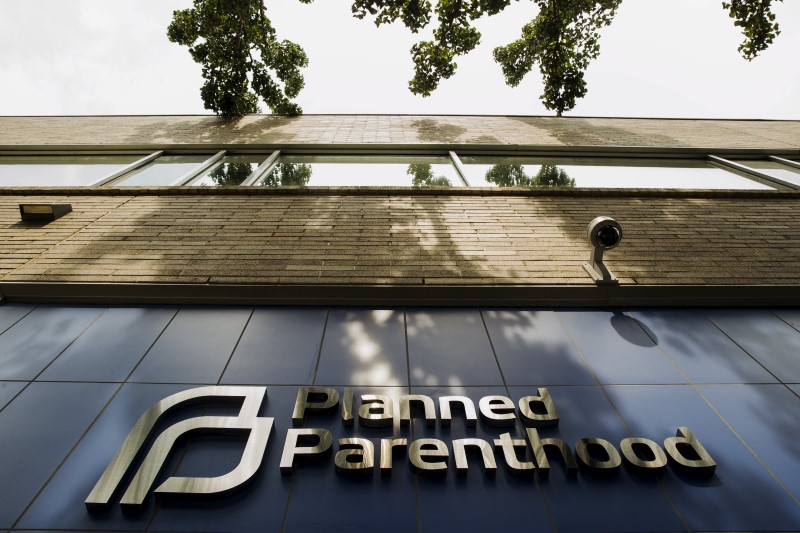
(602, 172)
(362, 171)
(59, 170)
(774, 169)
(230, 171)
(166, 170)
(274, 169)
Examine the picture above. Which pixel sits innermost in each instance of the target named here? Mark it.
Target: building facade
(384, 322)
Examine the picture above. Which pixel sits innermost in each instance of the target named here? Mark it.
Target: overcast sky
(660, 58)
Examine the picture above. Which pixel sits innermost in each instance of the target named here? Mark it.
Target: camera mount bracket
(598, 271)
(604, 233)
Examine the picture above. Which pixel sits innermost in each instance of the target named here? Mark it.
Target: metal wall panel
(768, 339)
(27, 347)
(727, 375)
(260, 356)
(449, 347)
(364, 347)
(195, 348)
(37, 431)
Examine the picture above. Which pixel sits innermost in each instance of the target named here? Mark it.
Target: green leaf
(757, 21)
(242, 60)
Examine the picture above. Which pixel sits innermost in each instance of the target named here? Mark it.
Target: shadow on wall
(633, 330)
(199, 130)
(587, 132)
(417, 239)
(284, 130)
(265, 239)
(430, 130)
(364, 347)
(313, 239)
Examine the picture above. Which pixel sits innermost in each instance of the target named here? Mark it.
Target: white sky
(660, 58)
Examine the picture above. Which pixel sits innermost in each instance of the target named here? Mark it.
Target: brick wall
(331, 237)
(388, 129)
(398, 237)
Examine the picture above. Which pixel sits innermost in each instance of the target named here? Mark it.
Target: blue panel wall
(74, 380)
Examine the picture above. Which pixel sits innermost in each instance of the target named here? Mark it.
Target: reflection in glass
(775, 169)
(59, 170)
(231, 170)
(287, 175)
(362, 171)
(166, 170)
(422, 175)
(602, 173)
(513, 175)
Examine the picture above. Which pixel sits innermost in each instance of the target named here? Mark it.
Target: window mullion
(459, 166)
(725, 163)
(262, 170)
(133, 166)
(787, 162)
(189, 176)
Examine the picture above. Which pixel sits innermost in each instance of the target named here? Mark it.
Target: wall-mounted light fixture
(604, 233)
(43, 212)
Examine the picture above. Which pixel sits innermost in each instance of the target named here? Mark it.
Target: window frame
(272, 157)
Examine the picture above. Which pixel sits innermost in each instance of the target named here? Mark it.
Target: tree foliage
(561, 40)
(552, 176)
(422, 176)
(453, 36)
(415, 14)
(513, 175)
(243, 60)
(757, 21)
(241, 56)
(230, 174)
(288, 175)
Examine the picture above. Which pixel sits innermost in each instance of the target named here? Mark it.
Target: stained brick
(111, 239)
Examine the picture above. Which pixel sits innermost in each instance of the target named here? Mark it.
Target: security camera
(605, 233)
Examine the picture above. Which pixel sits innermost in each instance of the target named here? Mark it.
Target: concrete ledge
(397, 191)
(406, 149)
(414, 295)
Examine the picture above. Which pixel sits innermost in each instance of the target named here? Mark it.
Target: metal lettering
(427, 404)
(347, 406)
(329, 400)
(654, 462)
(151, 450)
(540, 447)
(698, 460)
(497, 411)
(421, 448)
(387, 447)
(247, 422)
(322, 439)
(549, 416)
(608, 466)
(469, 410)
(361, 449)
(509, 447)
(376, 411)
(460, 454)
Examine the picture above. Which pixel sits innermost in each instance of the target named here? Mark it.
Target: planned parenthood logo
(357, 455)
(247, 423)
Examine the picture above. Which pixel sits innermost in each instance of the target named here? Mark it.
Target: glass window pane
(773, 168)
(166, 170)
(231, 170)
(59, 170)
(602, 172)
(362, 171)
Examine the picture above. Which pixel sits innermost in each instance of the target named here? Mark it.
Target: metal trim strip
(587, 296)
